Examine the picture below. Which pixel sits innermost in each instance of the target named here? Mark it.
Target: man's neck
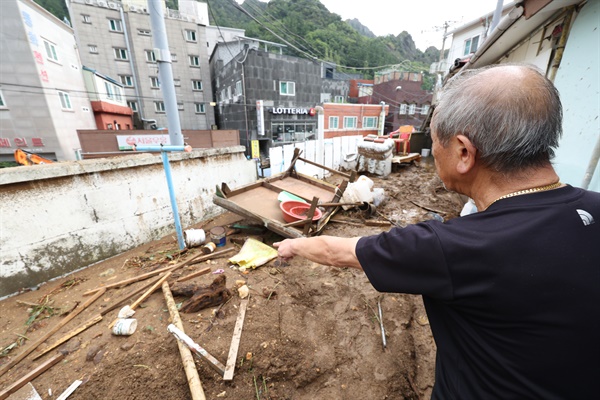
(490, 186)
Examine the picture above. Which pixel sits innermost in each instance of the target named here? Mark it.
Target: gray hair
(511, 113)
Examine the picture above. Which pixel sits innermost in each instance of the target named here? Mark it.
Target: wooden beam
(91, 322)
(30, 376)
(126, 297)
(146, 275)
(51, 332)
(203, 271)
(325, 168)
(310, 215)
(235, 342)
(186, 355)
(210, 256)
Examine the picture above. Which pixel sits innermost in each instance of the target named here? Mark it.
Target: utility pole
(165, 71)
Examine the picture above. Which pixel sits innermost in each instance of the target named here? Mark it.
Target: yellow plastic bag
(253, 254)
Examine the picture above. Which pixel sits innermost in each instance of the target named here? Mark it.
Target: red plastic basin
(296, 210)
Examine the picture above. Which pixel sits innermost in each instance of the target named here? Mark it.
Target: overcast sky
(423, 19)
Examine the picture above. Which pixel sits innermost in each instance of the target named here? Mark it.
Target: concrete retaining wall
(57, 218)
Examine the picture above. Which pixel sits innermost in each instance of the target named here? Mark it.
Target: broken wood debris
(52, 331)
(197, 349)
(64, 395)
(203, 271)
(203, 297)
(30, 376)
(235, 342)
(91, 322)
(187, 359)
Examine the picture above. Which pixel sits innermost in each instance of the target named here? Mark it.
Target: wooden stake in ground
(30, 376)
(235, 342)
(186, 355)
(51, 332)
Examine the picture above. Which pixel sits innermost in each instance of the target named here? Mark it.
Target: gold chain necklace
(526, 191)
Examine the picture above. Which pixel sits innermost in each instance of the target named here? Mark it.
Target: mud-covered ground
(310, 331)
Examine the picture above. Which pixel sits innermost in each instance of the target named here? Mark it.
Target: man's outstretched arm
(326, 250)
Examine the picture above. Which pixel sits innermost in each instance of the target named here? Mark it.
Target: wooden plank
(235, 342)
(203, 271)
(276, 227)
(333, 171)
(30, 376)
(51, 332)
(128, 296)
(186, 355)
(91, 322)
(146, 275)
(146, 294)
(310, 215)
(197, 349)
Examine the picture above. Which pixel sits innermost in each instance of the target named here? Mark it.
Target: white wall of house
(578, 82)
(57, 218)
(98, 91)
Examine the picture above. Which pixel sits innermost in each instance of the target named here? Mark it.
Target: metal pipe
(562, 42)
(589, 173)
(165, 71)
(165, 158)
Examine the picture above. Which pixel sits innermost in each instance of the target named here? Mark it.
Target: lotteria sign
(293, 111)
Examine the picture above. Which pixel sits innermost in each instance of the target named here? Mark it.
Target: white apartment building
(43, 99)
(115, 38)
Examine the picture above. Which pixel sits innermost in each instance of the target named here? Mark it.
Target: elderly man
(512, 292)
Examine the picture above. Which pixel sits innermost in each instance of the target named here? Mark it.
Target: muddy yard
(310, 331)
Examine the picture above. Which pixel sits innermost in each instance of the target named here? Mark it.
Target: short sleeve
(406, 260)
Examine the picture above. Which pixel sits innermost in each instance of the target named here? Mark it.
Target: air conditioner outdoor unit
(89, 1)
(113, 6)
(133, 9)
(102, 3)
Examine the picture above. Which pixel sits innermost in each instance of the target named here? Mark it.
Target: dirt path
(310, 332)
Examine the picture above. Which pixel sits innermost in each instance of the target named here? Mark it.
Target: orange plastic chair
(403, 138)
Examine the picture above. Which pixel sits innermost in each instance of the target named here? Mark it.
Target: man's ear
(466, 154)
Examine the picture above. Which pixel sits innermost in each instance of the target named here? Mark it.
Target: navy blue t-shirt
(512, 294)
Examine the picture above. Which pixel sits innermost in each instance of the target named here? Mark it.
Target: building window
(194, 61)
(115, 25)
(177, 82)
(471, 45)
(150, 56)
(133, 105)
(338, 99)
(199, 108)
(402, 109)
(2, 102)
(180, 106)
(154, 83)
(350, 122)
(369, 122)
(411, 109)
(238, 88)
(334, 122)
(65, 101)
(51, 51)
(109, 90)
(144, 32)
(120, 54)
(287, 88)
(196, 85)
(93, 49)
(86, 19)
(126, 80)
(159, 106)
(173, 57)
(424, 109)
(190, 36)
